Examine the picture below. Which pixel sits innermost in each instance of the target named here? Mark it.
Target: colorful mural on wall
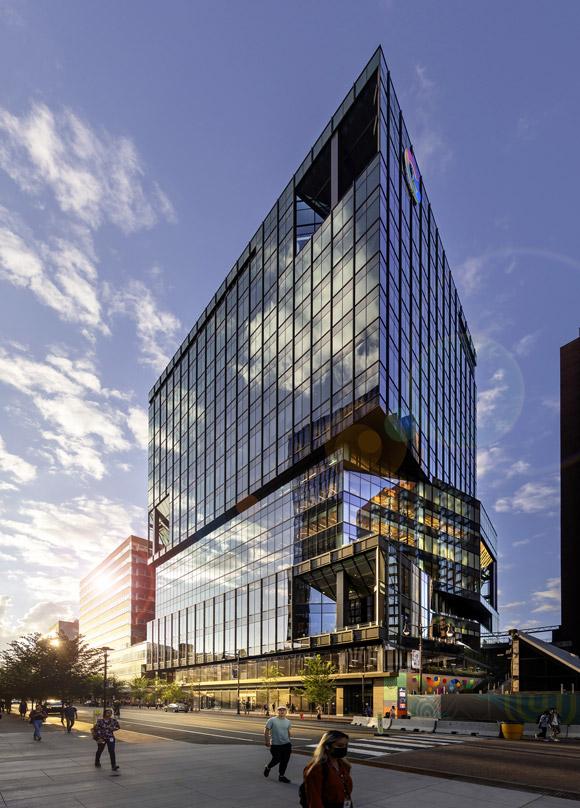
(441, 683)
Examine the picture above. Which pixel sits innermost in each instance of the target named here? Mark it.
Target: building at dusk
(312, 473)
(117, 599)
(568, 635)
(70, 629)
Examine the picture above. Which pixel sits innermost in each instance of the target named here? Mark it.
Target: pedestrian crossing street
(378, 746)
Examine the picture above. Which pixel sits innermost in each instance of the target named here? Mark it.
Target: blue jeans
(37, 723)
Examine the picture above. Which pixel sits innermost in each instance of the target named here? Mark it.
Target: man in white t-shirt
(277, 740)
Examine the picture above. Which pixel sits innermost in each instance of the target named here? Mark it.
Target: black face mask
(339, 752)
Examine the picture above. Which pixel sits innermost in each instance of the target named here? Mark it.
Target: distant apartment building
(70, 629)
(569, 634)
(117, 598)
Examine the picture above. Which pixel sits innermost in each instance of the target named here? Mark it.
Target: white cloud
(138, 424)
(520, 543)
(530, 498)
(36, 530)
(488, 460)
(72, 455)
(44, 614)
(513, 605)
(81, 422)
(157, 330)
(59, 274)
(552, 404)
(489, 399)
(548, 598)
(429, 144)
(519, 467)
(469, 274)
(494, 459)
(94, 177)
(523, 346)
(20, 470)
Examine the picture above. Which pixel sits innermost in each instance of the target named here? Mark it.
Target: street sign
(416, 660)
(401, 702)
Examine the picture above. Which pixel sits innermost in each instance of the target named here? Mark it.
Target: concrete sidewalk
(59, 772)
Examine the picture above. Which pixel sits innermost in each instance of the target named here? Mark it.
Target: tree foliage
(36, 667)
(270, 680)
(318, 680)
(139, 687)
(173, 692)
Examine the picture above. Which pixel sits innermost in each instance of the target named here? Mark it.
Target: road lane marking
(190, 731)
(178, 729)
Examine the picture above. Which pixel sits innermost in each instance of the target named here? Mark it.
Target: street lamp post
(363, 662)
(105, 651)
(238, 681)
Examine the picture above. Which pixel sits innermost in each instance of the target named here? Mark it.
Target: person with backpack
(37, 717)
(327, 779)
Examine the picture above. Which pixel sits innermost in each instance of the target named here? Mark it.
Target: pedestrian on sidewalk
(247, 707)
(62, 706)
(104, 734)
(277, 739)
(555, 723)
(37, 716)
(23, 709)
(543, 724)
(117, 708)
(70, 715)
(327, 779)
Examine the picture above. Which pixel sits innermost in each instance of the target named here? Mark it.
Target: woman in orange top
(327, 779)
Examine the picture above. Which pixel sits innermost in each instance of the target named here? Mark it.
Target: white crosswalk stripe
(372, 747)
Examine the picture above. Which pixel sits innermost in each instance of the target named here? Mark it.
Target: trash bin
(512, 732)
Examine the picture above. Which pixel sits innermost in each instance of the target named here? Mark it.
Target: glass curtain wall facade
(312, 442)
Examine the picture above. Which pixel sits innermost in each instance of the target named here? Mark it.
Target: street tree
(173, 692)
(35, 667)
(318, 681)
(271, 679)
(139, 686)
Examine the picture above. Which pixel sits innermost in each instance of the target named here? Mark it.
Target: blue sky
(142, 143)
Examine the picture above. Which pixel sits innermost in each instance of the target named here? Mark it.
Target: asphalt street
(546, 767)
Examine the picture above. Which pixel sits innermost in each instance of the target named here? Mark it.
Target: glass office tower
(312, 442)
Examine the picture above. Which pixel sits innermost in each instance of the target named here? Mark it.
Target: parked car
(176, 707)
(92, 703)
(53, 706)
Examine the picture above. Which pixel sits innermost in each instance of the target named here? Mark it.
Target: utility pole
(364, 663)
(238, 681)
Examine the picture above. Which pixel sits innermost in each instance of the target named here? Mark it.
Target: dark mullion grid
(399, 257)
(388, 237)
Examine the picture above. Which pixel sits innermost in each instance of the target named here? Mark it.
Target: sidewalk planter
(512, 732)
